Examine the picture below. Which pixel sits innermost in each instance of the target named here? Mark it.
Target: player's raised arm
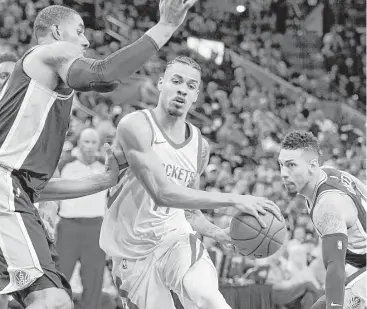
(135, 137)
(85, 74)
(330, 220)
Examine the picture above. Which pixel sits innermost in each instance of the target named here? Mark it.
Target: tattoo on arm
(196, 218)
(329, 219)
(205, 155)
(201, 224)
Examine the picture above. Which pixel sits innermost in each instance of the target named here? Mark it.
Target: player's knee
(204, 295)
(51, 298)
(207, 300)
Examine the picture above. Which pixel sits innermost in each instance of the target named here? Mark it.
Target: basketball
(252, 240)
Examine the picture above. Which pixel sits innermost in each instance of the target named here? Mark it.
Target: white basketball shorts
(147, 283)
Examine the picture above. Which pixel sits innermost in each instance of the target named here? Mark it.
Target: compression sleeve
(334, 248)
(87, 74)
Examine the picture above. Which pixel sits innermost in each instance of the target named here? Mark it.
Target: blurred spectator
(344, 52)
(79, 227)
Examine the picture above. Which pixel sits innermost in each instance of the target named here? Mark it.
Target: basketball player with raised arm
(35, 106)
(336, 202)
(152, 244)
(7, 63)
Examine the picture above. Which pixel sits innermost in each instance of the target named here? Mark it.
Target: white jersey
(134, 225)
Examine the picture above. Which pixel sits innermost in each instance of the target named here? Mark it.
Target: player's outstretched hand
(257, 206)
(48, 213)
(222, 236)
(111, 165)
(173, 12)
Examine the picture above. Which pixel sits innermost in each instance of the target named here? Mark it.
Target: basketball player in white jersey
(336, 202)
(152, 245)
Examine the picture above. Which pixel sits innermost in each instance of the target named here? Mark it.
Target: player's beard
(291, 189)
(174, 111)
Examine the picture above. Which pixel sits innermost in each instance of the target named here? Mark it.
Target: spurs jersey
(335, 181)
(134, 225)
(33, 125)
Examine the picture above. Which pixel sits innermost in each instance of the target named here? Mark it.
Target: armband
(334, 248)
(106, 75)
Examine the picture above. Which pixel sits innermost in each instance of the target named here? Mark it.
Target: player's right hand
(48, 213)
(257, 206)
(111, 165)
(173, 12)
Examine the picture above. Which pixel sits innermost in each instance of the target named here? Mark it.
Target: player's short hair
(185, 60)
(301, 140)
(8, 57)
(51, 15)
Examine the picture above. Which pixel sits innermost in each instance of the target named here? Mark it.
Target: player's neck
(46, 41)
(169, 123)
(309, 189)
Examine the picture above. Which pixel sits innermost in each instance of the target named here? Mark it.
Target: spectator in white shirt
(80, 223)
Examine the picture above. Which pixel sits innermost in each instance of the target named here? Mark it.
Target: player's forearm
(160, 34)
(176, 196)
(106, 75)
(334, 285)
(201, 224)
(334, 247)
(63, 189)
(124, 62)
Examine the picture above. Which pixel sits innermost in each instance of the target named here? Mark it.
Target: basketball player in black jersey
(7, 63)
(336, 202)
(35, 105)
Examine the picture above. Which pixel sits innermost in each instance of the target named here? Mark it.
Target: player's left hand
(225, 241)
(111, 165)
(222, 236)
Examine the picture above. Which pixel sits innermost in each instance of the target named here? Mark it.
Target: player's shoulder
(334, 173)
(335, 202)
(135, 125)
(133, 121)
(343, 180)
(205, 142)
(331, 198)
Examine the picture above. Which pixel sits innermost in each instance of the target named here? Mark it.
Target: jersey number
(348, 183)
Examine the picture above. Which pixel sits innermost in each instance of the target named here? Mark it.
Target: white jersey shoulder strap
(197, 137)
(157, 134)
